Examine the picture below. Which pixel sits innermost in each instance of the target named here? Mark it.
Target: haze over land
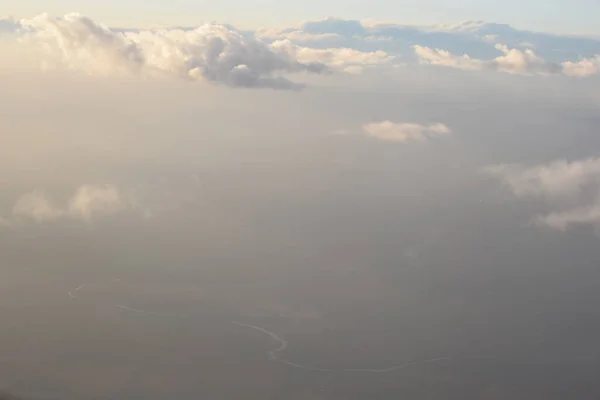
(334, 210)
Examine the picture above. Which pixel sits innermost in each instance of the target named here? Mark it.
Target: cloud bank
(268, 58)
(210, 52)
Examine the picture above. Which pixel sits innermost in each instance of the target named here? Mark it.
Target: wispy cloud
(87, 203)
(572, 188)
(556, 180)
(405, 132)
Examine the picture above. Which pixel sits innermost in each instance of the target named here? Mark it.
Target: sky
(559, 16)
(307, 209)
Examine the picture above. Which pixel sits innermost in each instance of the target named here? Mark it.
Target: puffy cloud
(524, 62)
(88, 202)
(405, 132)
(267, 57)
(583, 68)
(211, 52)
(214, 53)
(80, 43)
(521, 62)
(572, 188)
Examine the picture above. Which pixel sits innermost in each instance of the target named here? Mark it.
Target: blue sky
(574, 16)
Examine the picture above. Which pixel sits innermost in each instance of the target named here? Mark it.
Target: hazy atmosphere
(335, 208)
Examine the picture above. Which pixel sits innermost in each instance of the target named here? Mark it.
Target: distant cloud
(572, 188)
(295, 35)
(343, 59)
(405, 132)
(565, 219)
(212, 53)
(87, 203)
(445, 58)
(557, 180)
(515, 61)
(583, 68)
(37, 207)
(266, 58)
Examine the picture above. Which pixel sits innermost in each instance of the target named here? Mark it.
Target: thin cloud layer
(565, 219)
(343, 59)
(572, 188)
(87, 203)
(557, 180)
(515, 61)
(405, 132)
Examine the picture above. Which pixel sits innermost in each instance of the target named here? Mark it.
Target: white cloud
(524, 62)
(445, 58)
(267, 57)
(87, 203)
(210, 52)
(583, 68)
(565, 186)
(557, 180)
(405, 132)
(343, 59)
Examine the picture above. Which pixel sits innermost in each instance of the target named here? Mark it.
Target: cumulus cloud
(515, 61)
(87, 203)
(211, 52)
(583, 68)
(405, 132)
(572, 188)
(267, 57)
